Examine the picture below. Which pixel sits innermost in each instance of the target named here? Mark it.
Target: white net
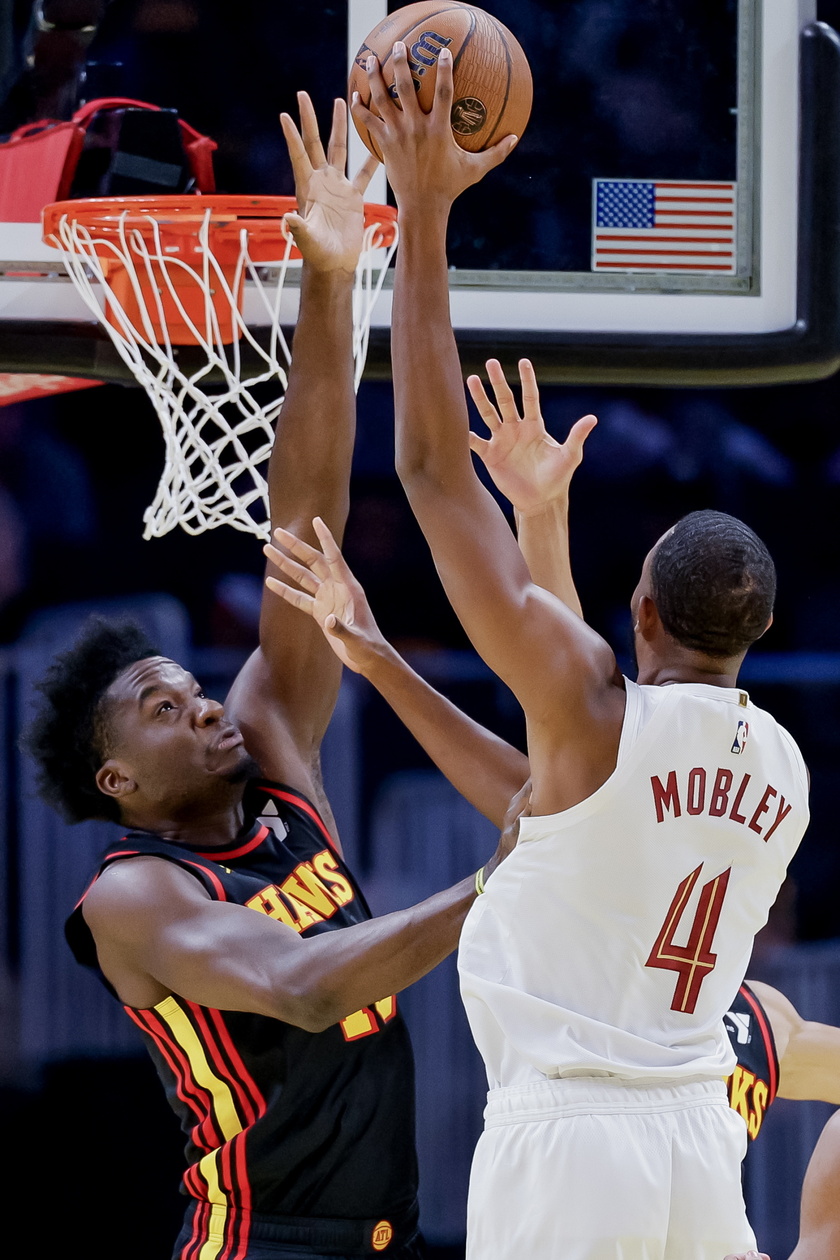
(218, 423)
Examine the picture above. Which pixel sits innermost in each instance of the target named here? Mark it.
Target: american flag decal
(661, 226)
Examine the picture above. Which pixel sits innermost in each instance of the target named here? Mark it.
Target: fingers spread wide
(297, 572)
(298, 599)
(530, 390)
(365, 173)
(337, 149)
(504, 394)
(301, 166)
(302, 551)
(309, 131)
(403, 81)
(483, 404)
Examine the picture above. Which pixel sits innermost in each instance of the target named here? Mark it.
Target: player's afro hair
(713, 582)
(68, 735)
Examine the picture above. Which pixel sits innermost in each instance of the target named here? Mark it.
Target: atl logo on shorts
(382, 1235)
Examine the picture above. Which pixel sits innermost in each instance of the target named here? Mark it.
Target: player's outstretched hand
(527, 465)
(328, 592)
(329, 225)
(519, 807)
(425, 166)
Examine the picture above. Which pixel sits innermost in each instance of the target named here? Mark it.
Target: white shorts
(590, 1169)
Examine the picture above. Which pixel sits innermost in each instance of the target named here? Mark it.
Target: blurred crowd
(77, 471)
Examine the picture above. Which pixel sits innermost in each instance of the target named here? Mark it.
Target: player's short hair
(713, 582)
(69, 735)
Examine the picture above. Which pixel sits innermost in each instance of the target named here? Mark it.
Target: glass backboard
(658, 220)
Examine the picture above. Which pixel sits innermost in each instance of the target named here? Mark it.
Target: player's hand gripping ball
(491, 76)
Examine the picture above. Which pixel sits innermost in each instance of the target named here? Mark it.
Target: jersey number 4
(694, 960)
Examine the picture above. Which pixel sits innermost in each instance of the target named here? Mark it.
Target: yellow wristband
(479, 880)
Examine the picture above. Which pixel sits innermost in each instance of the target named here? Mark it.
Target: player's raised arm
(483, 768)
(561, 671)
(286, 694)
(533, 471)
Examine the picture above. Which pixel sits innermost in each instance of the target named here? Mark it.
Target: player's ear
(648, 620)
(113, 779)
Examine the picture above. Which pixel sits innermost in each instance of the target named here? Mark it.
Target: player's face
(174, 742)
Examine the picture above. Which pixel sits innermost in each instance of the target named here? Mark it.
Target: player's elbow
(309, 1003)
(425, 461)
(428, 482)
(314, 1017)
(305, 1010)
(416, 466)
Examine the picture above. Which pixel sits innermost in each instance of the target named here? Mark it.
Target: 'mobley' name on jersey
(715, 793)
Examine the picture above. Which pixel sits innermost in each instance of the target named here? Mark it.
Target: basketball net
(165, 287)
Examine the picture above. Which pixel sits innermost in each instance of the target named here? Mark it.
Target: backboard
(670, 215)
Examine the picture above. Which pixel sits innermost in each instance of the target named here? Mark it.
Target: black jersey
(753, 1084)
(280, 1122)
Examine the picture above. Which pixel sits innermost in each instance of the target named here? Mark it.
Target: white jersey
(614, 937)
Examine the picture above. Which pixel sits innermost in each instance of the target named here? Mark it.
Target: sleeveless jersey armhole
(296, 800)
(631, 726)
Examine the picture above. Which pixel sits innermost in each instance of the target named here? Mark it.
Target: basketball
(492, 79)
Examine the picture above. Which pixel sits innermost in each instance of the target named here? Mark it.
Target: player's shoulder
(757, 714)
(786, 745)
(131, 893)
(774, 1003)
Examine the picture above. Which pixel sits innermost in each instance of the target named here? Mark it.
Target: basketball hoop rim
(183, 215)
(164, 272)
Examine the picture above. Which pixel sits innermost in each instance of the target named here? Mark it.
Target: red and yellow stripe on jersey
(280, 1123)
(212, 1081)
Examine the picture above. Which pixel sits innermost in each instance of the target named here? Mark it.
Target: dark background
(621, 90)
(93, 1138)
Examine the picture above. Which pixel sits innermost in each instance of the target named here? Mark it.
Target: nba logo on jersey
(740, 737)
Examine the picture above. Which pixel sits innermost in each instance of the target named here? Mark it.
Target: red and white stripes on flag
(661, 226)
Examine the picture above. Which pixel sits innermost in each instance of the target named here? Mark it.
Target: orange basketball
(492, 79)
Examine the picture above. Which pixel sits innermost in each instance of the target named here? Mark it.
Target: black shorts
(299, 1238)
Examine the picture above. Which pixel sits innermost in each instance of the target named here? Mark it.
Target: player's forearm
(483, 768)
(332, 975)
(483, 572)
(810, 1064)
(544, 542)
(431, 413)
(309, 470)
(476, 556)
